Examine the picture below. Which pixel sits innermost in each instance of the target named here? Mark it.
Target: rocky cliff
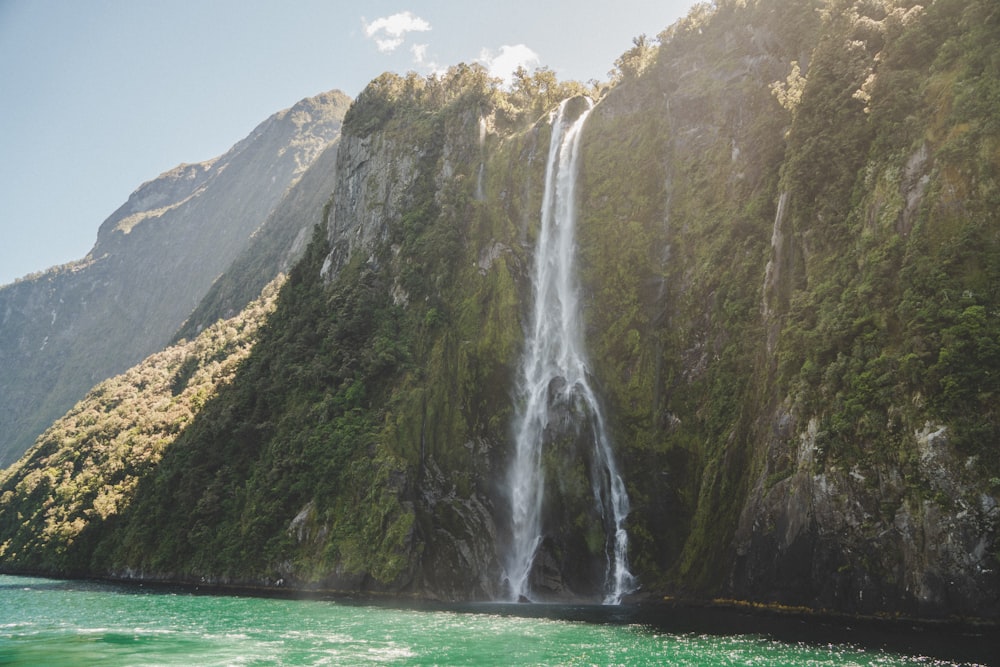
(788, 254)
(155, 258)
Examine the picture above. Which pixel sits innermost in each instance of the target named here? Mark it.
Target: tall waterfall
(554, 372)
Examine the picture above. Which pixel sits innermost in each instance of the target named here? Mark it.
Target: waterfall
(554, 371)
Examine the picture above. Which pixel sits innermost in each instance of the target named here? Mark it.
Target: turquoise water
(53, 622)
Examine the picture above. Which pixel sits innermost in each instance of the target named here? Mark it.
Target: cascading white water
(554, 369)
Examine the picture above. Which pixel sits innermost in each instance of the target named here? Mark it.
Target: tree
(634, 62)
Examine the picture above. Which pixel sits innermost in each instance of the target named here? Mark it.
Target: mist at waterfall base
(54, 622)
(554, 373)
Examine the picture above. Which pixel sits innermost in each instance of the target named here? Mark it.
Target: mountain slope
(154, 260)
(84, 469)
(274, 247)
(789, 260)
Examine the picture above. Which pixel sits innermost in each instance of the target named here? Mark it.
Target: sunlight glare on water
(53, 622)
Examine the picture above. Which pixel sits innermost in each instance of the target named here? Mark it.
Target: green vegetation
(791, 288)
(84, 469)
(896, 297)
(303, 468)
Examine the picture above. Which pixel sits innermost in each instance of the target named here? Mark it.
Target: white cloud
(389, 32)
(419, 52)
(504, 63)
(423, 62)
(388, 45)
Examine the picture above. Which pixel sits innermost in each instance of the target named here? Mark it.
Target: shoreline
(963, 640)
(642, 601)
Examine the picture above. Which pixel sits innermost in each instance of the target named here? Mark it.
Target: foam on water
(62, 623)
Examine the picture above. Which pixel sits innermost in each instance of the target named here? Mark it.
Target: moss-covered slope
(789, 253)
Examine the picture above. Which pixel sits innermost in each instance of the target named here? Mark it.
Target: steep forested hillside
(789, 258)
(83, 471)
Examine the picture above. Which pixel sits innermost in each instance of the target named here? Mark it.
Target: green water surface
(54, 622)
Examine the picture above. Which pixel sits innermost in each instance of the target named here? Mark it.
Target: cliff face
(824, 420)
(876, 463)
(788, 263)
(154, 260)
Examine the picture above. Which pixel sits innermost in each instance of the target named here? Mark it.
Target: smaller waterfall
(554, 371)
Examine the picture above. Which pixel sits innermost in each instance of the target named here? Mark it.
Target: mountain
(787, 261)
(95, 454)
(273, 248)
(66, 329)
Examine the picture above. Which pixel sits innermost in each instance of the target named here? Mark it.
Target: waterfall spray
(554, 368)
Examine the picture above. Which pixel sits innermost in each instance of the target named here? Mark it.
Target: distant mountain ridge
(275, 246)
(155, 258)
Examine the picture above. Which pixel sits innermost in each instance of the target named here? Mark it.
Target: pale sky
(99, 96)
